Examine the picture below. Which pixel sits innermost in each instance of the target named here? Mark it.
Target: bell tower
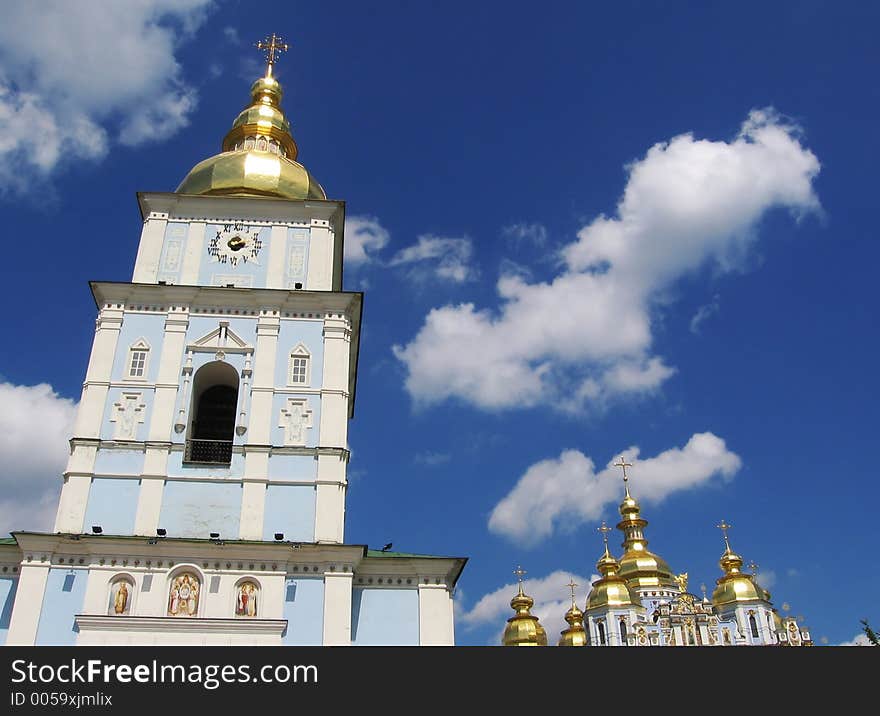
(206, 482)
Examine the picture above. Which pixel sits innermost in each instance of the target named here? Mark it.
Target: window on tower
(214, 404)
(298, 372)
(138, 355)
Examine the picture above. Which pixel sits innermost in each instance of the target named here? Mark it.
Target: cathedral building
(639, 601)
(204, 497)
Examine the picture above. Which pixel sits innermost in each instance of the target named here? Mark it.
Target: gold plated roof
(523, 628)
(611, 590)
(258, 156)
(735, 585)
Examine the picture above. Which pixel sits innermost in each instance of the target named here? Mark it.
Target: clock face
(236, 245)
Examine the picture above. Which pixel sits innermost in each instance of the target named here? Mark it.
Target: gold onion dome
(258, 156)
(523, 628)
(575, 634)
(639, 566)
(735, 585)
(611, 589)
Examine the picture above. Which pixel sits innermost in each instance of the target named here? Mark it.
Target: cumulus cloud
(560, 494)
(525, 233)
(705, 312)
(586, 335)
(859, 639)
(552, 599)
(35, 425)
(364, 236)
(443, 258)
(96, 73)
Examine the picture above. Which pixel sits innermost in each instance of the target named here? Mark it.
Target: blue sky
(581, 230)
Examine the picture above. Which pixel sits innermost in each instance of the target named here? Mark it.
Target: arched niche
(213, 412)
(121, 595)
(247, 599)
(184, 596)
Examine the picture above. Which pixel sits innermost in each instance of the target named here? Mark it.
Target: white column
(28, 604)
(320, 271)
(149, 505)
(146, 265)
(330, 499)
(253, 505)
(337, 608)
(195, 251)
(436, 626)
(97, 383)
(277, 266)
(263, 386)
(168, 377)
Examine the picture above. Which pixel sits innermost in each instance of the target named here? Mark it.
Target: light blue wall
(173, 250)
(191, 508)
(293, 467)
(8, 587)
(292, 332)
(119, 462)
(210, 269)
(290, 509)
(381, 617)
(112, 505)
(296, 257)
(304, 611)
(314, 403)
(63, 598)
(114, 395)
(150, 327)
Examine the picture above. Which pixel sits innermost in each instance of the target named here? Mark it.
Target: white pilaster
(337, 608)
(277, 258)
(149, 505)
(146, 266)
(168, 377)
(28, 604)
(195, 251)
(320, 272)
(436, 626)
(253, 505)
(72, 505)
(260, 423)
(330, 499)
(94, 395)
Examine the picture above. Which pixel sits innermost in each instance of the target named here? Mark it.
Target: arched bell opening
(213, 411)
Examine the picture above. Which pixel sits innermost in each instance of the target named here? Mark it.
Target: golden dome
(575, 634)
(611, 589)
(258, 156)
(735, 585)
(639, 566)
(523, 628)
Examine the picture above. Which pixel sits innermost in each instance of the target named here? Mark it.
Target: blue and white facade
(204, 497)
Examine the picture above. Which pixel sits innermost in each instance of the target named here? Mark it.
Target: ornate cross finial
(724, 526)
(754, 567)
(623, 464)
(520, 572)
(604, 529)
(273, 45)
(786, 607)
(571, 585)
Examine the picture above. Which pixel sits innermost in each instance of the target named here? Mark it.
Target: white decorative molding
(301, 352)
(221, 340)
(200, 625)
(296, 418)
(128, 413)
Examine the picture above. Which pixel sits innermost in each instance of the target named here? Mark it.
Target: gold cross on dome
(754, 567)
(724, 527)
(604, 529)
(273, 46)
(519, 572)
(623, 464)
(571, 585)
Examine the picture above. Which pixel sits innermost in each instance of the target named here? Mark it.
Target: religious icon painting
(183, 596)
(246, 597)
(121, 591)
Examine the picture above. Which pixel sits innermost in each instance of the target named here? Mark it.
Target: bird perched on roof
(387, 547)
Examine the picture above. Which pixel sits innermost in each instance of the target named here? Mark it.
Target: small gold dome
(575, 634)
(639, 566)
(611, 589)
(259, 154)
(523, 628)
(734, 585)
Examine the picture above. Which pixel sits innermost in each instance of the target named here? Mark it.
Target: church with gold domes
(639, 601)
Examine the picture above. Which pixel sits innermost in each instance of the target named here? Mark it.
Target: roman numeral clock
(235, 244)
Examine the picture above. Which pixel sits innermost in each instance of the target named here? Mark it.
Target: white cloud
(586, 335)
(704, 313)
(562, 493)
(74, 77)
(552, 600)
(35, 425)
(444, 258)
(859, 639)
(364, 236)
(231, 34)
(526, 233)
(766, 578)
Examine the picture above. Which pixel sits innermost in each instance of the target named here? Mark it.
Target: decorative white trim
(200, 625)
